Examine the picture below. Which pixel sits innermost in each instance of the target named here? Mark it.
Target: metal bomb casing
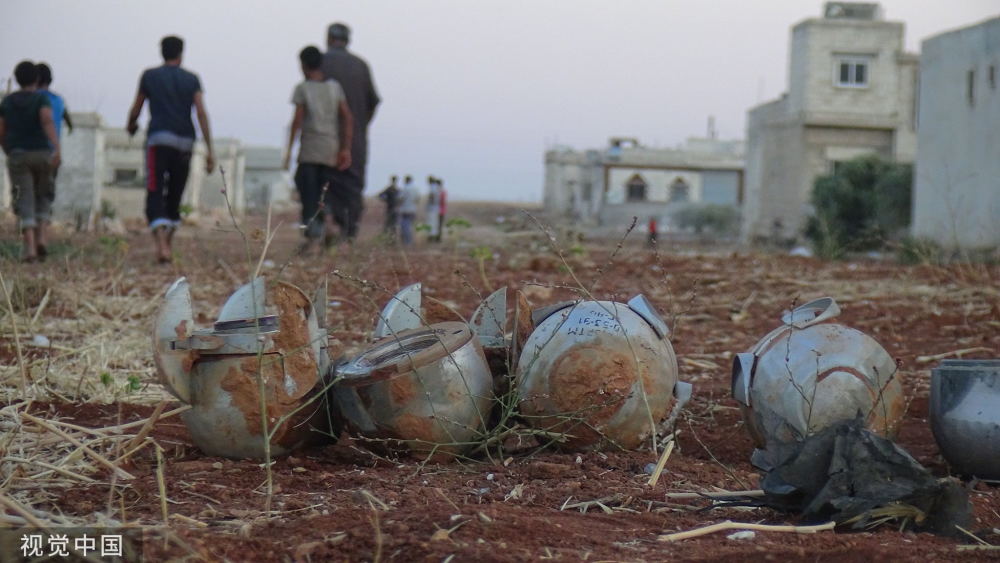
(266, 336)
(599, 373)
(965, 415)
(426, 390)
(808, 374)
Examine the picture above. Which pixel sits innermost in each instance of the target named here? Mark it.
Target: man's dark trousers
(311, 179)
(345, 200)
(167, 172)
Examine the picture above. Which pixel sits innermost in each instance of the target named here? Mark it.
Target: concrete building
(851, 91)
(956, 199)
(608, 187)
(265, 182)
(104, 168)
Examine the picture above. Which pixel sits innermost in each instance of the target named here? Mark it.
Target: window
(970, 87)
(680, 192)
(635, 189)
(126, 175)
(852, 72)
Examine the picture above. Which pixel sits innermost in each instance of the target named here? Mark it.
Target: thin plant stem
(17, 340)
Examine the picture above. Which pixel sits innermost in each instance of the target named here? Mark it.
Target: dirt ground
(341, 502)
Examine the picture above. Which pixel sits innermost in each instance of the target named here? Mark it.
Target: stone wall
(265, 182)
(78, 185)
(957, 177)
(905, 140)
(205, 191)
(5, 195)
(773, 204)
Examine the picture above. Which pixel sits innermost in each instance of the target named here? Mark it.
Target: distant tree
(861, 206)
(709, 218)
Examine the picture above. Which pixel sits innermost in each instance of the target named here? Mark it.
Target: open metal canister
(965, 415)
(808, 374)
(266, 337)
(599, 373)
(488, 322)
(427, 390)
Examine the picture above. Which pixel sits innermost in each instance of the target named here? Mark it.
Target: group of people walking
(30, 125)
(403, 203)
(334, 104)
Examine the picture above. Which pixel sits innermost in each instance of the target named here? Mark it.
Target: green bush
(108, 210)
(861, 206)
(457, 223)
(919, 251)
(708, 218)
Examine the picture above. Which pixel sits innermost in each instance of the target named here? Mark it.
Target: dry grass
(95, 310)
(43, 457)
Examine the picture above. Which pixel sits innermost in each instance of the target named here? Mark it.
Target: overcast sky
(473, 90)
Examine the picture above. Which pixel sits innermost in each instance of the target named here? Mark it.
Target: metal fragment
(599, 373)
(808, 374)
(266, 337)
(402, 312)
(425, 390)
(965, 415)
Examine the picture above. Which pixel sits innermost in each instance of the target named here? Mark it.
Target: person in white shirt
(408, 204)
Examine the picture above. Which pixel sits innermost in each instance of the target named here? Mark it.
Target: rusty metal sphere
(264, 335)
(426, 390)
(809, 374)
(596, 374)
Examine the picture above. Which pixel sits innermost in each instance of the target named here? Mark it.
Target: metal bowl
(809, 374)
(965, 415)
(426, 390)
(267, 337)
(598, 374)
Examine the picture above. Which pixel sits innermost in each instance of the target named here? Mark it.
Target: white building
(104, 166)
(851, 91)
(956, 200)
(265, 182)
(610, 186)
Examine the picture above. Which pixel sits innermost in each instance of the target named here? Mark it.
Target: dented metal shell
(489, 323)
(402, 312)
(809, 374)
(598, 372)
(265, 337)
(965, 415)
(425, 390)
(173, 322)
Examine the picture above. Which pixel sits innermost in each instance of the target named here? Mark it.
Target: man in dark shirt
(390, 195)
(345, 198)
(171, 92)
(28, 137)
